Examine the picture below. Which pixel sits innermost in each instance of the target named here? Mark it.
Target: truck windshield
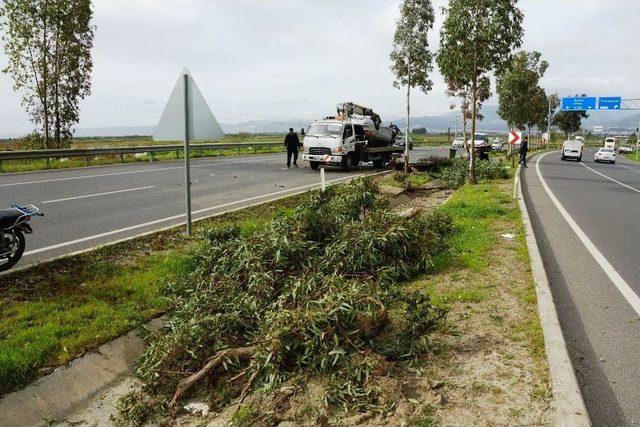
(325, 129)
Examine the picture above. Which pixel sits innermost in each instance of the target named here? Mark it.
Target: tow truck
(353, 136)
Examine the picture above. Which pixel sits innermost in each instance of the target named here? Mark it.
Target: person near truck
(292, 143)
(524, 149)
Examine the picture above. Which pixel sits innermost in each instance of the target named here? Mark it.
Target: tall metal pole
(187, 170)
(549, 125)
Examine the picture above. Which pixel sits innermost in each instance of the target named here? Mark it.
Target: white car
(625, 150)
(572, 149)
(480, 140)
(605, 155)
(458, 142)
(497, 145)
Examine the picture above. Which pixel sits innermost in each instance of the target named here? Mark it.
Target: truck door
(349, 137)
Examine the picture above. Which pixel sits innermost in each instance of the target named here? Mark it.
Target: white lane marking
(624, 288)
(630, 168)
(99, 194)
(611, 179)
(197, 212)
(71, 178)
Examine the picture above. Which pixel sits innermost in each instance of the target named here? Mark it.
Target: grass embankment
(491, 360)
(54, 312)
(83, 143)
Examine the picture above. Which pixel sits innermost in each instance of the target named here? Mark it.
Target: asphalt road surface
(586, 218)
(92, 206)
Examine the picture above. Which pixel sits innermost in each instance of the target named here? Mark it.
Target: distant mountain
(612, 120)
(114, 131)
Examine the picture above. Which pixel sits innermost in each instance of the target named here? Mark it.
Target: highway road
(97, 205)
(586, 218)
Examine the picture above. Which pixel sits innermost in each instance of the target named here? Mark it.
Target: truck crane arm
(349, 109)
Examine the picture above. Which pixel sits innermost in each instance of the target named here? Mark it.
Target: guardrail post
(177, 154)
(1, 166)
(150, 156)
(121, 158)
(255, 150)
(48, 163)
(238, 151)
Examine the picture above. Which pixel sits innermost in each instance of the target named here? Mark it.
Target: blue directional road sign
(579, 103)
(609, 103)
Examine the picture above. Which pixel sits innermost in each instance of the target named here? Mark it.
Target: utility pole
(187, 171)
(549, 125)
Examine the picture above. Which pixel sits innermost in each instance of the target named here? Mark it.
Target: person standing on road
(524, 149)
(291, 143)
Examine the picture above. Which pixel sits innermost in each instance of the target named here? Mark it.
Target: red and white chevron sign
(514, 137)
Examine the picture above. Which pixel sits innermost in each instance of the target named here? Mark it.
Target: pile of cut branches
(312, 293)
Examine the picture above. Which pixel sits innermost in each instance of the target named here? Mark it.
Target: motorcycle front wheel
(17, 243)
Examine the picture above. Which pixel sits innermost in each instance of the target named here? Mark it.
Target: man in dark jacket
(524, 149)
(291, 143)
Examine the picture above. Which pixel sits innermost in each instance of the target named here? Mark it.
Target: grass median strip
(55, 312)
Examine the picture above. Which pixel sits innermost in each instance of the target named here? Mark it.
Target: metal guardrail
(89, 153)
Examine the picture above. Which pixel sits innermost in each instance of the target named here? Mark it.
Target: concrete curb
(568, 402)
(66, 389)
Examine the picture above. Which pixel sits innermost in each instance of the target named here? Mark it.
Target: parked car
(458, 142)
(572, 149)
(605, 155)
(625, 150)
(400, 141)
(497, 145)
(480, 140)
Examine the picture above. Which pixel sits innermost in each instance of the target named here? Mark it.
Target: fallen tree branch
(213, 363)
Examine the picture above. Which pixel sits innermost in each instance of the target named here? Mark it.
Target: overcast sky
(281, 59)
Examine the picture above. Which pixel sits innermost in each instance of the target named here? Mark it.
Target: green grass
(53, 313)
(480, 214)
(416, 179)
(52, 330)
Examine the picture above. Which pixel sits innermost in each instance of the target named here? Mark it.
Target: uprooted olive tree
(315, 292)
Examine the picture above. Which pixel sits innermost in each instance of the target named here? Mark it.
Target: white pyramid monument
(203, 125)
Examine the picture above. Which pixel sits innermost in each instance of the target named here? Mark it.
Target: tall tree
(48, 44)
(476, 39)
(522, 102)
(412, 61)
(463, 94)
(569, 121)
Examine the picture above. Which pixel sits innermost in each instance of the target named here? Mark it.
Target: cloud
(281, 59)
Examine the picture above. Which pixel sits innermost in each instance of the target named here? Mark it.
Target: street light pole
(187, 171)
(549, 125)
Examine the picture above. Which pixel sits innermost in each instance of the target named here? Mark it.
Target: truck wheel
(314, 165)
(564, 158)
(579, 159)
(346, 163)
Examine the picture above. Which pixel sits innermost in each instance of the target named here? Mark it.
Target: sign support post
(187, 170)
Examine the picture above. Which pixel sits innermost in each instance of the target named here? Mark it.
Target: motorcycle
(14, 224)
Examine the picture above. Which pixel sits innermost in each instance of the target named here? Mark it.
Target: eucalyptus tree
(48, 45)
(412, 61)
(476, 39)
(522, 103)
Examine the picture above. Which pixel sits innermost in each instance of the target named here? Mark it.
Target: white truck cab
(337, 142)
